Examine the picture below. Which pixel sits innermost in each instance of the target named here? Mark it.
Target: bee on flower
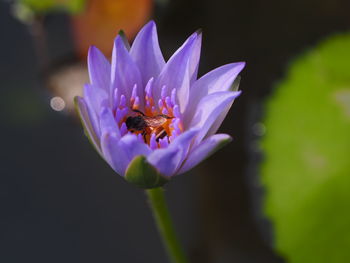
(151, 119)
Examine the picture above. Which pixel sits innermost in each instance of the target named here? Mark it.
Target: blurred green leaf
(306, 170)
(45, 6)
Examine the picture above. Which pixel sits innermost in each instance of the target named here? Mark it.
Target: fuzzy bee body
(147, 124)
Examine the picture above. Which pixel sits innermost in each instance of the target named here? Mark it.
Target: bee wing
(155, 121)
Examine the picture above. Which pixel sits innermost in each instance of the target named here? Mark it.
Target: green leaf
(306, 170)
(143, 174)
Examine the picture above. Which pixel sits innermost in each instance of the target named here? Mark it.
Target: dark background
(61, 203)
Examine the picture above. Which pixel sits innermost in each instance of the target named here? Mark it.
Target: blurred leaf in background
(306, 170)
(44, 6)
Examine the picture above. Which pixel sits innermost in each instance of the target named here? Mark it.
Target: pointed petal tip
(194, 36)
(191, 39)
(148, 28)
(237, 66)
(121, 32)
(93, 52)
(222, 138)
(241, 64)
(120, 42)
(91, 49)
(204, 150)
(237, 93)
(199, 31)
(150, 24)
(226, 138)
(124, 39)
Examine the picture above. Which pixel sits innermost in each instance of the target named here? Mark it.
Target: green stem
(165, 226)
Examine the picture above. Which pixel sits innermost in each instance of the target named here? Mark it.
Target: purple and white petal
(134, 147)
(209, 109)
(178, 71)
(216, 125)
(204, 150)
(146, 52)
(195, 57)
(139, 85)
(219, 79)
(99, 69)
(120, 152)
(108, 123)
(125, 73)
(85, 117)
(92, 107)
(113, 153)
(95, 98)
(169, 160)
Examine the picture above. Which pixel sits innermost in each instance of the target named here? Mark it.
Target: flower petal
(219, 79)
(121, 33)
(120, 152)
(217, 123)
(178, 71)
(195, 56)
(146, 52)
(209, 109)
(91, 106)
(99, 69)
(125, 73)
(113, 153)
(85, 118)
(134, 147)
(204, 150)
(169, 159)
(95, 98)
(108, 123)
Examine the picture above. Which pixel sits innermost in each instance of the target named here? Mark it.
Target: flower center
(156, 124)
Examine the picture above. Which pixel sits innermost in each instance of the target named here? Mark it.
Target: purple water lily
(151, 119)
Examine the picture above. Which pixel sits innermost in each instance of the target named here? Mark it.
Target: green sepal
(143, 174)
(235, 84)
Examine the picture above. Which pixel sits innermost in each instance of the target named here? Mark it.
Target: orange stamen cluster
(160, 135)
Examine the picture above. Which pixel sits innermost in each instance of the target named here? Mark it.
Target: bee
(147, 124)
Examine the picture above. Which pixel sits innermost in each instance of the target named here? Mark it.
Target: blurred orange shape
(101, 21)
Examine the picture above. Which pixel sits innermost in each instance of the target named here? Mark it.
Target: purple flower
(151, 119)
